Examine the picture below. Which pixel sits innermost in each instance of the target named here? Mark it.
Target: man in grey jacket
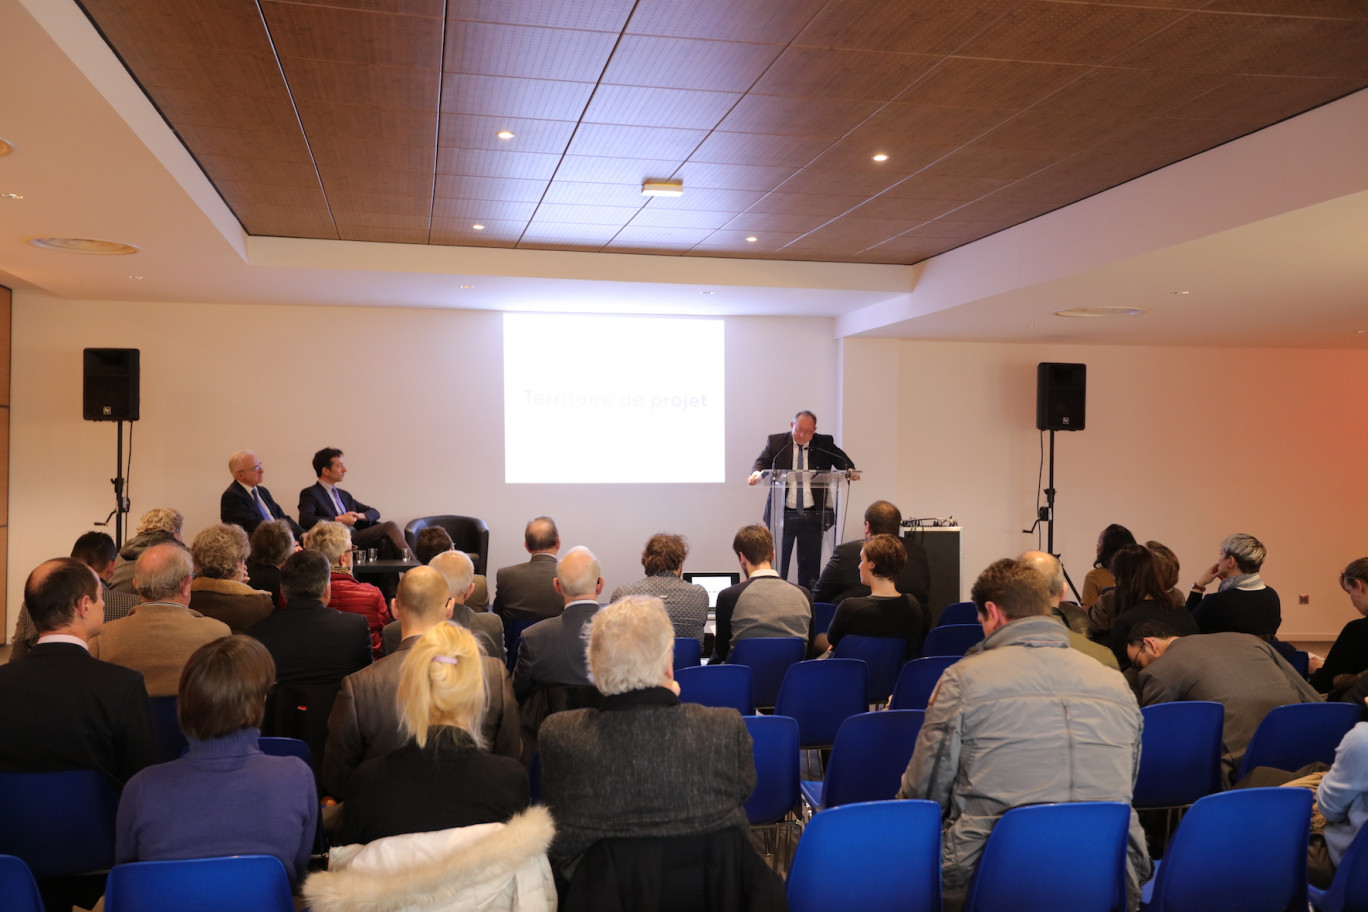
(1002, 717)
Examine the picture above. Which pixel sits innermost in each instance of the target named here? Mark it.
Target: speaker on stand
(110, 392)
(1061, 405)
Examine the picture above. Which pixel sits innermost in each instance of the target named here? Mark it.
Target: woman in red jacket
(333, 541)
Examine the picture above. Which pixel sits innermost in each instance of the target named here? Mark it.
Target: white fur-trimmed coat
(465, 869)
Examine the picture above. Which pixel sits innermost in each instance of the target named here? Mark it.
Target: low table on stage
(380, 567)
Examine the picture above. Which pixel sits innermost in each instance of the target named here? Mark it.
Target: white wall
(1182, 445)
(413, 396)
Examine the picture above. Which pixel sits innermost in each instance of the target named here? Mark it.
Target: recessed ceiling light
(465, 286)
(881, 157)
(504, 134)
(11, 196)
(705, 292)
(662, 188)
(1184, 292)
(752, 239)
(135, 277)
(6, 147)
(1361, 331)
(1099, 312)
(84, 245)
(478, 227)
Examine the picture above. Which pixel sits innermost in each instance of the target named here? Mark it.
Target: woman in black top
(885, 612)
(1141, 596)
(1348, 658)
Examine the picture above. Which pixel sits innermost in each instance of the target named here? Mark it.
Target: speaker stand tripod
(120, 512)
(1047, 517)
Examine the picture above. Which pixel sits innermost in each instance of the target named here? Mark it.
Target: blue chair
(917, 680)
(768, 658)
(513, 631)
(717, 685)
(1180, 754)
(951, 639)
(883, 655)
(688, 653)
(1238, 851)
(230, 884)
(1023, 869)
(878, 856)
(1349, 890)
(170, 740)
(774, 743)
(286, 747)
(821, 694)
(958, 613)
(61, 823)
(1292, 736)
(18, 889)
(822, 613)
(868, 759)
(1301, 661)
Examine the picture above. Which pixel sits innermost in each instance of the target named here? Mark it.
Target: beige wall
(1182, 445)
(413, 396)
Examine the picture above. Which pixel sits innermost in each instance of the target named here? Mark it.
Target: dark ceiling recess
(377, 120)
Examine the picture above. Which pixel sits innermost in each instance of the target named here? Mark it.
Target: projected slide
(602, 399)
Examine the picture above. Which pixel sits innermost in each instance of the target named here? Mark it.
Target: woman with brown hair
(1140, 596)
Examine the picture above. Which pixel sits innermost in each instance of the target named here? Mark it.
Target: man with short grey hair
(524, 592)
(246, 502)
(459, 573)
(1242, 603)
(1048, 566)
(552, 651)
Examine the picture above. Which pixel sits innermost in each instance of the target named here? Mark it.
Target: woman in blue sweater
(224, 797)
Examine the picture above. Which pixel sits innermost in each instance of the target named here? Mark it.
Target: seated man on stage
(324, 500)
(246, 502)
(806, 513)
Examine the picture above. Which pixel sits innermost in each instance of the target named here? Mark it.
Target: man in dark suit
(840, 578)
(324, 500)
(526, 592)
(552, 651)
(806, 513)
(60, 708)
(246, 501)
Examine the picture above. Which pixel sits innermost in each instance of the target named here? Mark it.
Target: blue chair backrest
(958, 613)
(688, 652)
(1238, 851)
(286, 747)
(1301, 661)
(951, 639)
(58, 823)
(231, 884)
(1292, 736)
(822, 613)
(883, 655)
(870, 755)
(1180, 754)
(1023, 869)
(917, 680)
(774, 743)
(878, 855)
(717, 685)
(821, 694)
(513, 631)
(1349, 891)
(170, 740)
(19, 891)
(768, 658)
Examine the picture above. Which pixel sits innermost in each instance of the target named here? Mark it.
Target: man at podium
(806, 513)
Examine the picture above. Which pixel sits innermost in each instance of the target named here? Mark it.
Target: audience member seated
(1240, 671)
(1049, 567)
(459, 572)
(441, 777)
(523, 592)
(840, 578)
(224, 796)
(364, 723)
(219, 591)
(435, 540)
(1099, 578)
(764, 605)
(1348, 656)
(643, 764)
(272, 543)
(61, 709)
(96, 550)
(157, 525)
(1141, 596)
(246, 502)
(1242, 603)
(161, 634)
(1342, 799)
(685, 603)
(1103, 612)
(1002, 721)
(885, 612)
(333, 541)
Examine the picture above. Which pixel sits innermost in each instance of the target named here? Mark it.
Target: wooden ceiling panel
(1003, 212)
(472, 239)
(383, 235)
(850, 235)
(783, 115)
(753, 21)
(203, 70)
(361, 201)
(646, 107)
(503, 231)
(344, 150)
(591, 169)
(470, 131)
(457, 187)
(828, 205)
(1258, 100)
(429, 9)
(495, 163)
(1321, 9)
(601, 15)
(301, 196)
(228, 23)
(373, 126)
(855, 155)
(483, 212)
(731, 240)
(658, 143)
(584, 215)
(712, 199)
(1064, 32)
(487, 49)
(347, 219)
(270, 220)
(859, 75)
(510, 97)
(1137, 92)
(331, 82)
(353, 36)
(771, 223)
(642, 236)
(344, 179)
(578, 193)
(958, 231)
(1008, 85)
(259, 171)
(980, 160)
(758, 149)
(755, 178)
(280, 147)
(921, 26)
(811, 180)
(928, 125)
(906, 250)
(572, 236)
(916, 210)
(940, 185)
(686, 63)
(248, 113)
(1047, 130)
(653, 217)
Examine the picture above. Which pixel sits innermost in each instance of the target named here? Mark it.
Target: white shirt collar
(64, 638)
(759, 573)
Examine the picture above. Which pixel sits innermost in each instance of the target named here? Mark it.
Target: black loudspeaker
(111, 384)
(1061, 396)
